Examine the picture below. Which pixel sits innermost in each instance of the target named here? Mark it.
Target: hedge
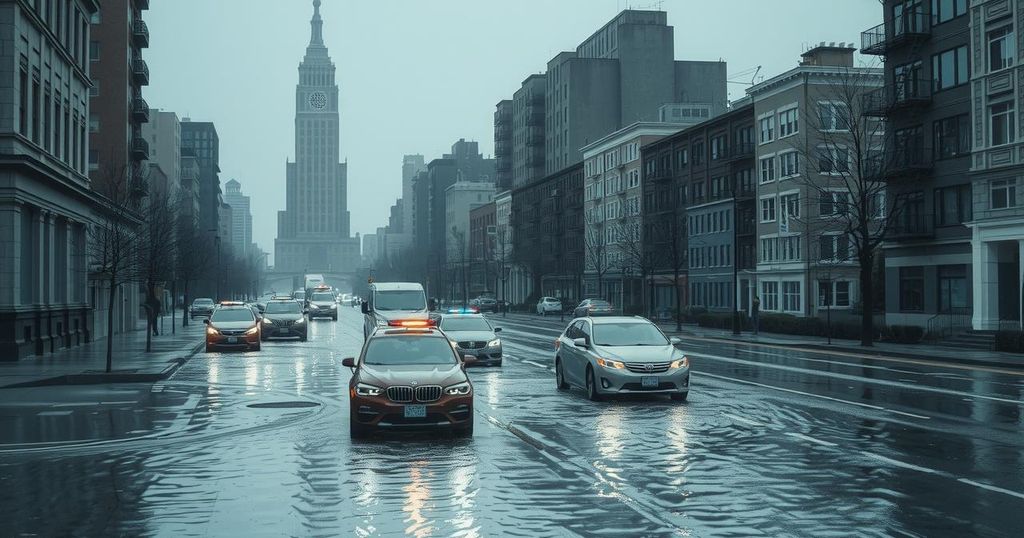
(786, 324)
(904, 334)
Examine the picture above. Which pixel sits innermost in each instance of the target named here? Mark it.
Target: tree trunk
(679, 300)
(174, 300)
(184, 305)
(867, 293)
(110, 324)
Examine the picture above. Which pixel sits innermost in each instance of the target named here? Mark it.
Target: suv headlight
(268, 321)
(382, 322)
(681, 363)
(301, 320)
(460, 389)
(494, 343)
(363, 389)
(610, 364)
(211, 331)
(253, 330)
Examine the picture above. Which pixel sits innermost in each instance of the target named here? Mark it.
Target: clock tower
(313, 230)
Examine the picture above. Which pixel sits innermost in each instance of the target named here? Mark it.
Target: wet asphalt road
(773, 442)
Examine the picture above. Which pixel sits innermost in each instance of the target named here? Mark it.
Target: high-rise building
(199, 139)
(191, 176)
(241, 218)
(503, 144)
(369, 251)
(411, 165)
(163, 134)
(528, 131)
(461, 198)
(313, 230)
(117, 147)
(46, 204)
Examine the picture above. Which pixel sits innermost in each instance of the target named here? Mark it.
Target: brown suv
(409, 378)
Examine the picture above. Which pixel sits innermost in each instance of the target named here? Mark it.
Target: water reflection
(417, 493)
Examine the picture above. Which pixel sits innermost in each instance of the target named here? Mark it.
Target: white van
(393, 302)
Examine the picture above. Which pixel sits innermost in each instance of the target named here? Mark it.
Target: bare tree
(458, 250)
(636, 258)
(595, 252)
(846, 154)
(194, 257)
(156, 265)
(116, 238)
(676, 254)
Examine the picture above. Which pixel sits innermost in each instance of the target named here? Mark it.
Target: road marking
(991, 488)
(53, 413)
(898, 463)
(538, 365)
(811, 439)
(859, 379)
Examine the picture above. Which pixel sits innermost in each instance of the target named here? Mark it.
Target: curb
(869, 353)
(103, 378)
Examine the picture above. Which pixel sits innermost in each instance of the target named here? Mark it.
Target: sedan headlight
(211, 331)
(610, 364)
(382, 323)
(494, 343)
(460, 389)
(253, 330)
(363, 389)
(681, 363)
(268, 321)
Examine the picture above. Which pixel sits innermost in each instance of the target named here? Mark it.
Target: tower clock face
(318, 100)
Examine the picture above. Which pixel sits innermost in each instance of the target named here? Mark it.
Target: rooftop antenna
(753, 78)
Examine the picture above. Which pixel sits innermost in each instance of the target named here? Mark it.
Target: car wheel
(679, 396)
(592, 386)
(303, 338)
(560, 376)
(258, 346)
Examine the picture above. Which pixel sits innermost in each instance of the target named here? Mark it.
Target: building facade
(313, 230)
(241, 219)
(484, 274)
(615, 263)
(528, 131)
(163, 135)
(46, 200)
(199, 139)
(926, 104)
(503, 144)
(460, 199)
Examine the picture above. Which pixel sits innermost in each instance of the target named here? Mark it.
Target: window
(834, 116)
(834, 248)
(944, 10)
(698, 153)
(952, 137)
(911, 289)
(682, 158)
(790, 204)
(767, 169)
(634, 178)
(907, 81)
(789, 164)
(952, 287)
(953, 205)
(788, 122)
(768, 209)
(1000, 48)
(833, 160)
(767, 129)
(1001, 124)
(769, 296)
(949, 68)
(791, 296)
(833, 203)
(1004, 193)
(718, 148)
(23, 102)
(834, 293)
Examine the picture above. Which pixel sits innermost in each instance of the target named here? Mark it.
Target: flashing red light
(411, 323)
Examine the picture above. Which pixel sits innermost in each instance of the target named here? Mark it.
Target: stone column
(10, 255)
(985, 284)
(1020, 281)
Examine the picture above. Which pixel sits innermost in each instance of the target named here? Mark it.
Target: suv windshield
(232, 314)
(396, 350)
(203, 302)
(465, 324)
(399, 300)
(323, 296)
(283, 307)
(628, 334)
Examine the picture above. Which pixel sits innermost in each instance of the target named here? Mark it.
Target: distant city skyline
(443, 89)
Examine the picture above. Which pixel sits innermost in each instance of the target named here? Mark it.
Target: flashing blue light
(462, 311)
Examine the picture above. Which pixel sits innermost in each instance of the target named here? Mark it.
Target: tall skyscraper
(199, 139)
(313, 230)
(241, 218)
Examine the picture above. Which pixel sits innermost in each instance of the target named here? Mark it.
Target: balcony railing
(660, 174)
(535, 119)
(140, 110)
(140, 148)
(140, 71)
(904, 93)
(907, 162)
(502, 120)
(912, 226)
(907, 28)
(140, 33)
(741, 150)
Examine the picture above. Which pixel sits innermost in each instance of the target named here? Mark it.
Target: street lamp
(216, 241)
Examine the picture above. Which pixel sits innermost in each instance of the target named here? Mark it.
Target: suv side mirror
(579, 342)
(675, 341)
(497, 329)
(365, 307)
(348, 362)
(206, 321)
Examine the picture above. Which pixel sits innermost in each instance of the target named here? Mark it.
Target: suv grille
(472, 345)
(400, 394)
(648, 368)
(428, 393)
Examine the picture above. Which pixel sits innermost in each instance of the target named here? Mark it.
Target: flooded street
(771, 443)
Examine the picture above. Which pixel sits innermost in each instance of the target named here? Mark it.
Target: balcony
(140, 110)
(741, 150)
(140, 33)
(746, 225)
(502, 120)
(907, 162)
(142, 4)
(908, 28)
(912, 226)
(140, 71)
(503, 165)
(745, 192)
(535, 119)
(140, 148)
(660, 174)
(905, 93)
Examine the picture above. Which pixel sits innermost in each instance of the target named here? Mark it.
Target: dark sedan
(284, 319)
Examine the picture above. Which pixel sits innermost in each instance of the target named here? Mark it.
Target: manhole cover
(282, 405)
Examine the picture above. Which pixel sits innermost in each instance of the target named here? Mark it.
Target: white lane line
(811, 439)
(741, 419)
(991, 488)
(783, 389)
(898, 463)
(537, 364)
(859, 379)
(53, 413)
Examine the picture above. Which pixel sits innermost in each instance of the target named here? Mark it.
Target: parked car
(593, 307)
(201, 307)
(548, 305)
(620, 355)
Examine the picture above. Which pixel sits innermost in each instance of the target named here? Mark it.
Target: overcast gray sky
(416, 75)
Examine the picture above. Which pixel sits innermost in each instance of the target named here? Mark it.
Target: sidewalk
(922, 351)
(86, 364)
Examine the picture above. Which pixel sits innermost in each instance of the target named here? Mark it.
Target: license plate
(415, 411)
(232, 339)
(649, 382)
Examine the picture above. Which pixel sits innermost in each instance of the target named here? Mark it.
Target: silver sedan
(620, 355)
